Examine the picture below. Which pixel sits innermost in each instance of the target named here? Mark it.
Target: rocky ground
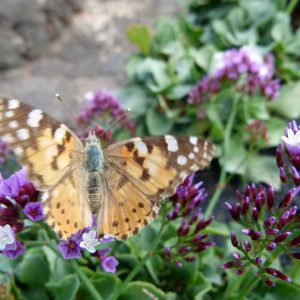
(82, 47)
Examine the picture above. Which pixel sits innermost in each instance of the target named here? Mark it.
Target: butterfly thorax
(94, 168)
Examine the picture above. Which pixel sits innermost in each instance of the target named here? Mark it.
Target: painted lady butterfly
(121, 183)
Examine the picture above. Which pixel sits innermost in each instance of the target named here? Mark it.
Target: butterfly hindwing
(143, 171)
(45, 147)
(66, 206)
(124, 211)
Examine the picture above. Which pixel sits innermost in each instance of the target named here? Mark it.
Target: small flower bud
(247, 190)
(271, 246)
(270, 231)
(283, 219)
(282, 276)
(245, 205)
(295, 176)
(270, 282)
(227, 265)
(255, 214)
(270, 221)
(279, 157)
(282, 175)
(270, 197)
(282, 237)
(238, 271)
(295, 242)
(258, 261)
(254, 190)
(190, 258)
(168, 252)
(255, 235)
(185, 249)
(247, 245)
(178, 263)
(236, 256)
(234, 240)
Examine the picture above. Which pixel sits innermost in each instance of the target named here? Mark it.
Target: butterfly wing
(141, 172)
(51, 154)
(66, 206)
(45, 147)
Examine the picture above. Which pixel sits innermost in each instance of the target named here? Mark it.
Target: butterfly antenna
(70, 112)
(119, 119)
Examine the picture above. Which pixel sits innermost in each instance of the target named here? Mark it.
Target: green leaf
(275, 130)
(235, 160)
(138, 290)
(137, 99)
(178, 92)
(203, 56)
(263, 168)
(140, 36)
(166, 31)
(281, 30)
(34, 268)
(66, 289)
(106, 283)
(158, 123)
(287, 104)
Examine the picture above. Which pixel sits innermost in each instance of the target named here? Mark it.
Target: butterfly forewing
(51, 155)
(146, 170)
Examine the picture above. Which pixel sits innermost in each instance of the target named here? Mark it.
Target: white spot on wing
(191, 156)
(172, 143)
(194, 167)
(181, 160)
(196, 149)
(8, 138)
(23, 134)
(59, 135)
(9, 114)
(18, 150)
(142, 148)
(34, 118)
(193, 140)
(13, 103)
(13, 124)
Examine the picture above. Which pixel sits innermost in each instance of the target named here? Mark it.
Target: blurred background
(68, 47)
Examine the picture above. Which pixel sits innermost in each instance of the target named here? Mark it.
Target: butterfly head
(93, 153)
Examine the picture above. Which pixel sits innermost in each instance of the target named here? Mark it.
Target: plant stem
(86, 282)
(138, 267)
(225, 146)
(290, 8)
(213, 201)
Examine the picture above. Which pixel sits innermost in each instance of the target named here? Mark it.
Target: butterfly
(121, 184)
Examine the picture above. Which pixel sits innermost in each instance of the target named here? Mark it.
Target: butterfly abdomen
(94, 188)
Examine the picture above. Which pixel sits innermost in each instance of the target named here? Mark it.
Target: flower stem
(220, 186)
(223, 178)
(290, 8)
(86, 282)
(138, 267)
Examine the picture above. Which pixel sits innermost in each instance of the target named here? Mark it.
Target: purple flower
(70, 248)
(246, 68)
(291, 142)
(104, 106)
(34, 211)
(186, 207)
(109, 264)
(17, 251)
(15, 192)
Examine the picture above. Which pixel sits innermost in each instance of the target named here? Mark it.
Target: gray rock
(11, 49)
